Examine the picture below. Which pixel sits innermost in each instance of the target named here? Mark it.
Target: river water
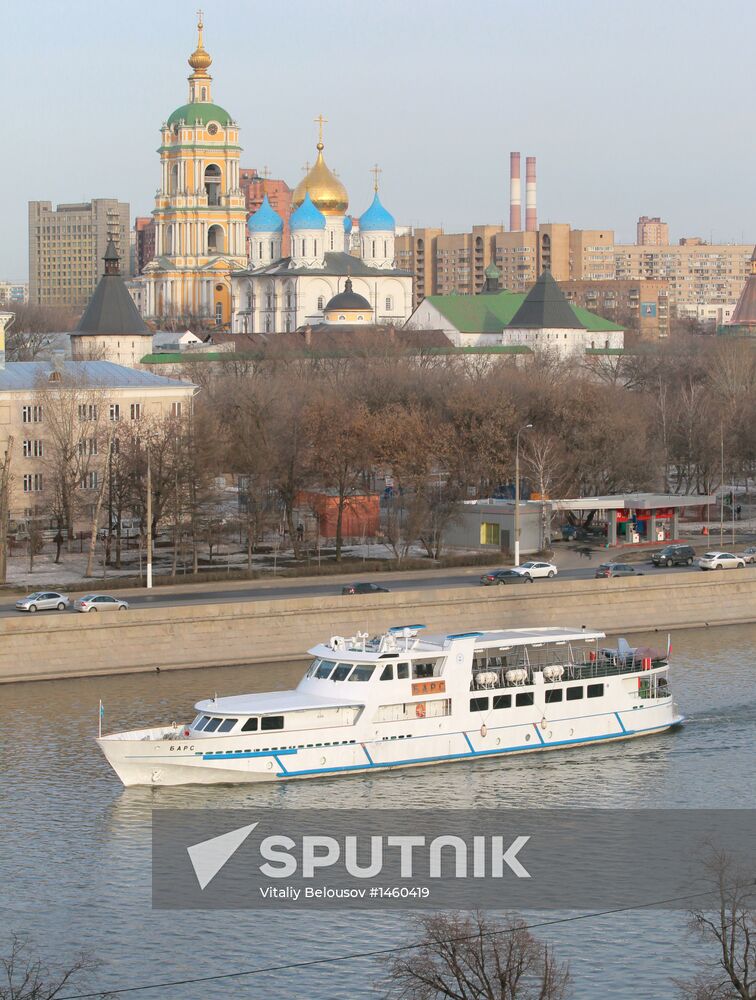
(75, 845)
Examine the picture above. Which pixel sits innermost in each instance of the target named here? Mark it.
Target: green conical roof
(545, 307)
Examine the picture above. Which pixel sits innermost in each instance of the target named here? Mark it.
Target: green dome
(205, 112)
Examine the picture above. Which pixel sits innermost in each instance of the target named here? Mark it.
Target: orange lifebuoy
(592, 656)
(420, 710)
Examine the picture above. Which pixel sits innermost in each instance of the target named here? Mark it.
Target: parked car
(363, 588)
(617, 569)
(721, 560)
(503, 576)
(749, 554)
(536, 570)
(44, 600)
(674, 555)
(100, 602)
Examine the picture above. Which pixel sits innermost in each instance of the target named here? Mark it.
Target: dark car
(616, 569)
(674, 555)
(503, 576)
(363, 588)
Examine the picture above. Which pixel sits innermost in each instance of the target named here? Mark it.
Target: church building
(277, 294)
(200, 214)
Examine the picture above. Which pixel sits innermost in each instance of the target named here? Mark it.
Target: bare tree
(25, 977)
(6, 480)
(463, 957)
(730, 929)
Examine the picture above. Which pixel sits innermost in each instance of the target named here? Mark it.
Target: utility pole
(517, 495)
(149, 520)
(722, 496)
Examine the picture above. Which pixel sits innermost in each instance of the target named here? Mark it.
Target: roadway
(266, 590)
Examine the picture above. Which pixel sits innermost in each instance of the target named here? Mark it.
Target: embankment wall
(44, 647)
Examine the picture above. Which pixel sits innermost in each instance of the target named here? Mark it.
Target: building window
(88, 446)
(389, 303)
(115, 411)
(136, 411)
(31, 414)
(176, 409)
(373, 243)
(321, 303)
(33, 482)
(303, 248)
(33, 449)
(87, 411)
(89, 481)
(490, 533)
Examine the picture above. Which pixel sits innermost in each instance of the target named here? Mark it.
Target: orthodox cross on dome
(199, 19)
(375, 170)
(306, 167)
(320, 121)
(265, 172)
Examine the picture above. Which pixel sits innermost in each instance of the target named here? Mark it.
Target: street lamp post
(525, 427)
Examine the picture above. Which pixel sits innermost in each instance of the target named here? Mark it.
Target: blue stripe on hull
(375, 765)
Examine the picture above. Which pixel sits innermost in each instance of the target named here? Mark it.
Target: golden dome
(326, 190)
(200, 60)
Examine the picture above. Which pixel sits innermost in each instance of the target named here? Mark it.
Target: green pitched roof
(491, 313)
(189, 113)
(545, 307)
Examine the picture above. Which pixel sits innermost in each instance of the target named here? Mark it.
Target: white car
(749, 554)
(721, 560)
(43, 600)
(100, 602)
(534, 570)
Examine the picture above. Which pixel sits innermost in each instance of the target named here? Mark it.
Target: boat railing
(487, 674)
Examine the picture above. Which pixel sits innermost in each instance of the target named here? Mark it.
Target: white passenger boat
(406, 698)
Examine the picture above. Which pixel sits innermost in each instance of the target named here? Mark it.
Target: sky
(632, 107)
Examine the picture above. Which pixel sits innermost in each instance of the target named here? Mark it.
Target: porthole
(527, 737)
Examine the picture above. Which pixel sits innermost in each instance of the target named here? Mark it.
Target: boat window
(574, 693)
(227, 725)
(250, 726)
(272, 722)
(422, 670)
(479, 704)
(361, 674)
(553, 694)
(199, 722)
(387, 674)
(324, 670)
(524, 698)
(313, 667)
(402, 671)
(502, 701)
(212, 725)
(595, 690)
(341, 672)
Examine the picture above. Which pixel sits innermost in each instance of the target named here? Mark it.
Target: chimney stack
(515, 198)
(531, 220)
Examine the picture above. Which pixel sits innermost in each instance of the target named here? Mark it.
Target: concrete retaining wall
(45, 647)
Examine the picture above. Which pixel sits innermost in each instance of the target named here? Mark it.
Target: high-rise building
(592, 254)
(637, 305)
(652, 232)
(200, 217)
(14, 292)
(66, 245)
(698, 273)
(144, 231)
(256, 186)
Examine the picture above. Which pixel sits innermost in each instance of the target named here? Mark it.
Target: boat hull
(149, 761)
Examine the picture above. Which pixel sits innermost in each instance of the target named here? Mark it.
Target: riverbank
(251, 632)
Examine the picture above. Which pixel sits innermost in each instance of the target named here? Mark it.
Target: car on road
(749, 554)
(674, 555)
(363, 588)
(536, 570)
(609, 570)
(43, 600)
(100, 602)
(721, 560)
(503, 576)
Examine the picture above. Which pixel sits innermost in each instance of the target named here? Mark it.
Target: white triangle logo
(209, 856)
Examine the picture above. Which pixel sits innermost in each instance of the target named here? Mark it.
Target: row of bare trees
(439, 429)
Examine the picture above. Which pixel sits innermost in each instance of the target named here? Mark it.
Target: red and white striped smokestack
(531, 219)
(515, 198)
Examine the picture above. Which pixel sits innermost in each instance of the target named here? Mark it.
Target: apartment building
(96, 394)
(66, 245)
(643, 304)
(416, 252)
(144, 249)
(255, 186)
(652, 232)
(13, 293)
